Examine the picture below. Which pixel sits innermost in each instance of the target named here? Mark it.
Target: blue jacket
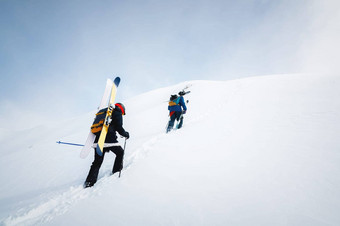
(180, 104)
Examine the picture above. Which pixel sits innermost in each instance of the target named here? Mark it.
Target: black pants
(177, 115)
(98, 160)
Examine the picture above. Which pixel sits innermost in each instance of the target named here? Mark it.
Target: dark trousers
(98, 160)
(177, 115)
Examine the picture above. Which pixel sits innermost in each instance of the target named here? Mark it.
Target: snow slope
(255, 151)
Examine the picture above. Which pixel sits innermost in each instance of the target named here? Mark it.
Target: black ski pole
(120, 171)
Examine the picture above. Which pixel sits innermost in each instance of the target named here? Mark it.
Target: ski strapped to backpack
(108, 113)
(174, 99)
(110, 85)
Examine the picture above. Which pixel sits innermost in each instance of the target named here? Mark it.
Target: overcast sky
(55, 56)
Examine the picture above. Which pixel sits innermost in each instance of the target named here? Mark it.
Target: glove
(127, 135)
(183, 112)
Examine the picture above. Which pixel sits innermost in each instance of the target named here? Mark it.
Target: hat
(121, 107)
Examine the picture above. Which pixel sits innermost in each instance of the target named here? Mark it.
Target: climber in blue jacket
(176, 109)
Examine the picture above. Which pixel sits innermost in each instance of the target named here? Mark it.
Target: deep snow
(256, 151)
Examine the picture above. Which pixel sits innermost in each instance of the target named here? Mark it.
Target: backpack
(174, 100)
(98, 122)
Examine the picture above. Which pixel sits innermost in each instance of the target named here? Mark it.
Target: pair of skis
(106, 101)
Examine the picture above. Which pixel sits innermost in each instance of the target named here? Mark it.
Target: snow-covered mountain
(255, 151)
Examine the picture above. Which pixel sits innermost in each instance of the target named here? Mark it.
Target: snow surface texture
(256, 151)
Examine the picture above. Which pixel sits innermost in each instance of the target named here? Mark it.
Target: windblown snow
(256, 151)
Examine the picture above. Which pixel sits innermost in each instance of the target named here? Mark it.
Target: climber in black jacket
(111, 144)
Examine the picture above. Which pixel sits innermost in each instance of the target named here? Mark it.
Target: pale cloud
(320, 49)
(55, 57)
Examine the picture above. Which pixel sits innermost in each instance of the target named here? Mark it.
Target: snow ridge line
(61, 203)
(47, 210)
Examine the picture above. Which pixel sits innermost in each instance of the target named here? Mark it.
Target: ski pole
(120, 171)
(167, 125)
(60, 142)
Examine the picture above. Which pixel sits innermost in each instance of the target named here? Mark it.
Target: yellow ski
(102, 136)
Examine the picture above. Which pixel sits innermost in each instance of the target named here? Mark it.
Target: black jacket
(115, 126)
